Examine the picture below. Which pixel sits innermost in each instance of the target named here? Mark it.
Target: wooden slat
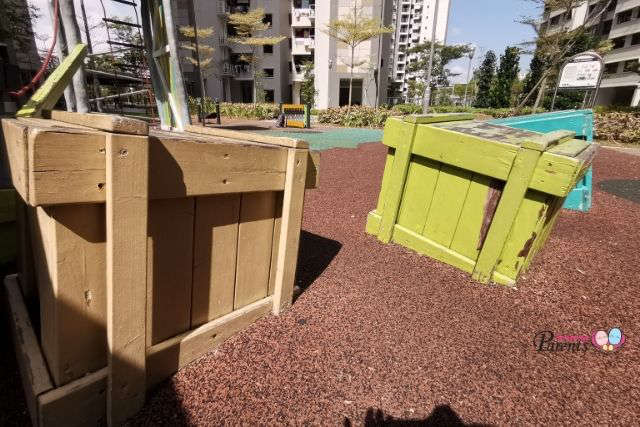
(438, 118)
(554, 174)
(255, 234)
(106, 122)
(523, 169)
(169, 268)
(448, 199)
(33, 370)
(404, 134)
(277, 227)
(292, 207)
(167, 357)
(79, 403)
(418, 193)
(313, 170)
(248, 136)
(126, 212)
(17, 157)
(386, 179)
(214, 257)
(7, 205)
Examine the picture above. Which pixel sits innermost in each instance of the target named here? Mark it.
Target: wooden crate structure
(478, 196)
(150, 248)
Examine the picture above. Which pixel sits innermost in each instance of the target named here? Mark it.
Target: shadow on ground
(625, 188)
(315, 255)
(441, 416)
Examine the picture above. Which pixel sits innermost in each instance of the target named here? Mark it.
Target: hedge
(237, 110)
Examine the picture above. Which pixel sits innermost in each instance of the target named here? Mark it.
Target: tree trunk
(72, 34)
(541, 91)
(351, 76)
(69, 96)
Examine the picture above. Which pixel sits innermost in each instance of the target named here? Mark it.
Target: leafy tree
(308, 90)
(248, 27)
(353, 30)
(502, 85)
(15, 22)
(440, 74)
(204, 51)
(486, 74)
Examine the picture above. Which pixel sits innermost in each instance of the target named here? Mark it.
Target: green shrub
(618, 126)
(237, 110)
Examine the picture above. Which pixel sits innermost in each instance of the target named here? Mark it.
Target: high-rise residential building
(621, 24)
(303, 23)
(413, 24)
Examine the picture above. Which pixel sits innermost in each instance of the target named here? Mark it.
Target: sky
(488, 24)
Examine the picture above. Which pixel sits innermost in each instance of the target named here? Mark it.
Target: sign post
(581, 72)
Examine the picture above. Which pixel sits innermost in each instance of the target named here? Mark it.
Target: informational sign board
(583, 72)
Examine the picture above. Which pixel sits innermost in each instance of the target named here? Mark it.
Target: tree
(15, 22)
(500, 92)
(308, 90)
(486, 74)
(248, 26)
(353, 30)
(204, 55)
(440, 74)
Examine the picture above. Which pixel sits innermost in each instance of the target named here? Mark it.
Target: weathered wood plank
(169, 268)
(126, 226)
(289, 237)
(248, 136)
(167, 357)
(17, 155)
(33, 370)
(554, 174)
(438, 118)
(277, 228)
(79, 403)
(523, 169)
(313, 170)
(214, 257)
(448, 199)
(418, 193)
(106, 122)
(255, 234)
(50, 91)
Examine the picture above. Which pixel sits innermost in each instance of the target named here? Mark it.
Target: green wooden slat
(465, 240)
(388, 165)
(448, 199)
(544, 141)
(418, 193)
(403, 135)
(510, 201)
(438, 118)
(554, 174)
(570, 148)
(51, 90)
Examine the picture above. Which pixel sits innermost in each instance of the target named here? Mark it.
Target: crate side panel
(418, 193)
(277, 228)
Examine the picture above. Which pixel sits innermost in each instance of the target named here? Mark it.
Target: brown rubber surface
(384, 334)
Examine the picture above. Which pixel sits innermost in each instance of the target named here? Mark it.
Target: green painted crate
(478, 196)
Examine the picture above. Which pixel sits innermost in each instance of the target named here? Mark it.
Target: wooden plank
(7, 205)
(465, 239)
(404, 134)
(126, 212)
(255, 234)
(33, 370)
(50, 91)
(248, 136)
(17, 157)
(448, 199)
(277, 228)
(167, 357)
(313, 170)
(214, 257)
(523, 169)
(386, 179)
(106, 122)
(289, 237)
(543, 142)
(418, 193)
(79, 403)
(169, 268)
(554, 174)
(25, 255)
(464, 151)
(438, 118)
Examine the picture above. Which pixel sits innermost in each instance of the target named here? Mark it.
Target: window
(606, 28)
(611, 68)
(269, 95)
(635, 39)
(630, 66)
(268, 19)
(268, 72)
(267, 48)
(555, 20)
(618, 42)
(291, 66)
(625, 16)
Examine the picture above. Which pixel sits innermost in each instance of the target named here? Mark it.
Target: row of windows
(612, 68)
(620, 42)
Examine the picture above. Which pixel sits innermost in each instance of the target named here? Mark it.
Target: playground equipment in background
(578, 121)
(297, 115)
(475, 195)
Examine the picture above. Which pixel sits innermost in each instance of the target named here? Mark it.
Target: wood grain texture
(438, 118)
(126, 226)
(255, 234)
(167, 357)
(16, 157)
(277, 228)
(169, 268)
(248, 136)
(100, 121)
(289, 238)
(33, 370)
(214, 257)
(79, 403)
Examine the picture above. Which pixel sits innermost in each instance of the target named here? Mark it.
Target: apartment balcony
(237, 71)
(223, 8)
(623, 54)
(620, 79)
(303, 46)
(303, 18)
(630, 27)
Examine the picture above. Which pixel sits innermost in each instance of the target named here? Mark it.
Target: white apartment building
(413, 23)
(621, 24)
(302, 22)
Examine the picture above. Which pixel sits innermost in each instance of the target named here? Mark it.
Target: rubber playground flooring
(320, 139)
